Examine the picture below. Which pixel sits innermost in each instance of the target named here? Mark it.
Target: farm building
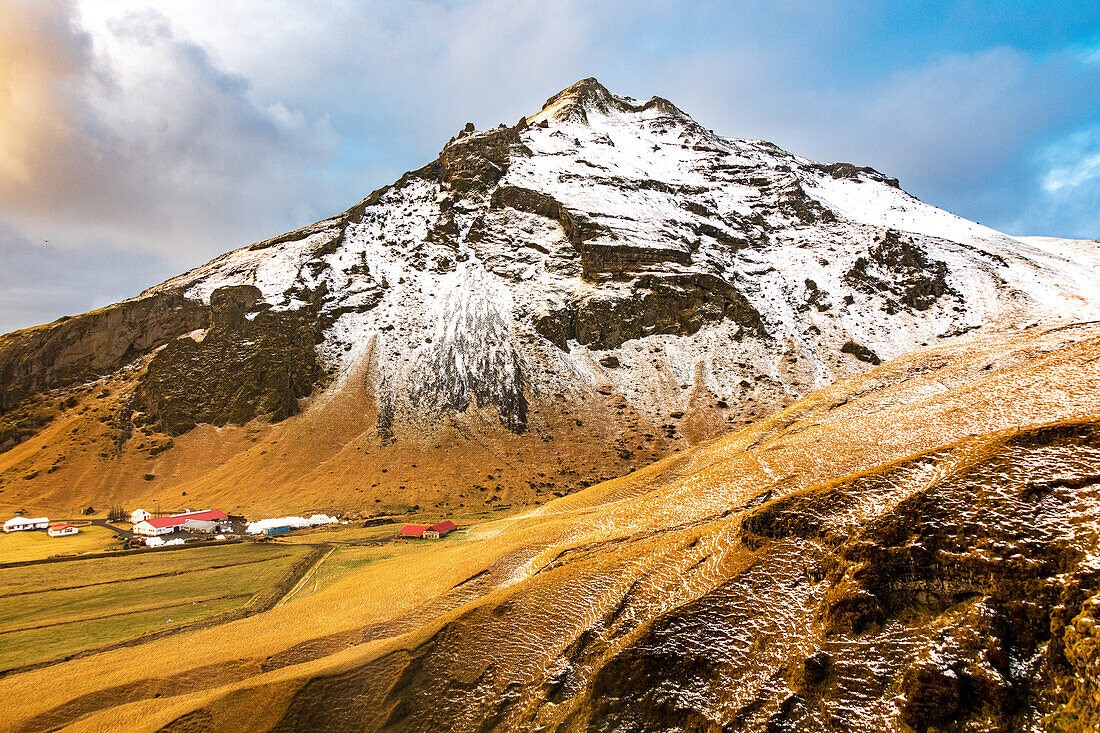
(434, 532)
(442, 529)
(166, 525)
(203, 526)
(282, 529)
(61, 529)
(21, 524)
(139, 515)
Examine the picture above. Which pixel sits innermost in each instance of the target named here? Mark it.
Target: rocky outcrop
(678, 305)
(860, 352)
(897, 266)
(80, 348)
(252, 362)
(473, 163)
(854, 172)
(620, 260)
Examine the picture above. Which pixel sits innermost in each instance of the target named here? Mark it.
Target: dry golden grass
(327, 458)
(672, 524)
(24, 546)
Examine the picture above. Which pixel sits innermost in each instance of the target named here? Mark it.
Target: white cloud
(1073, 163)
(139, 132)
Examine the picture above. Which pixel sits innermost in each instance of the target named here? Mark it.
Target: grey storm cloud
(140, 133)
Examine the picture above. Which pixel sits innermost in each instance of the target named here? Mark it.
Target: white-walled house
(154, 527)
(21, 524)
(139, 515)
(62, 529)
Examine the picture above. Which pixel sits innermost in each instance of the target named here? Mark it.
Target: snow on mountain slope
(606, 270)
(523, 276)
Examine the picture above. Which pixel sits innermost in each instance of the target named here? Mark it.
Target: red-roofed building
(442, 529)
(167, 525)
(412, 531)
(62, 530)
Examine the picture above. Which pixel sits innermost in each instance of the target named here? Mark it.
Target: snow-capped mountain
(605, 262)
(605, 241)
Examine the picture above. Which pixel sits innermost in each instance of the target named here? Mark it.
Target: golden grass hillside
(330, 457)
(910, 549)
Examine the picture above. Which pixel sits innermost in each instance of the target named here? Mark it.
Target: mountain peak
(588, 96)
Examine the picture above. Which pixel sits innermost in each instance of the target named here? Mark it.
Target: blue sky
(138, 139)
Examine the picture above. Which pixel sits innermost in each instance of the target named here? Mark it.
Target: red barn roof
(177, 520)
(412, 530)
(444, 527)
(62, 525)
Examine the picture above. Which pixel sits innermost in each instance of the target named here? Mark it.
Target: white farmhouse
(21, 524)
(62, 529)
(167, 525)
(139, 515)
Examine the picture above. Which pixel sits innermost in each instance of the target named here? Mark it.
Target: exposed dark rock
(679, 304)
(854, 172)
(808, 676)
(241, 369)
(533, 202)
(815, 297)
(931, 695)
(898, 266)
(620, 261)
(80, 348)
(793, 200)
(476, 162)
(734, 243)
(860, 352)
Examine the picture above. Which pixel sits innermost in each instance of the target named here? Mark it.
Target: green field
(344, 559)
(53, 610)
(23, 546)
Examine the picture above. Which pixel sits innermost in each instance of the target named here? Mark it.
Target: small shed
(62, 529)
(139, 515)
(22, 524)
(277, 530)
(412, 531)
(441, 529)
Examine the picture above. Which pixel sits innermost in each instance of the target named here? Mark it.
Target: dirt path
(305, 578)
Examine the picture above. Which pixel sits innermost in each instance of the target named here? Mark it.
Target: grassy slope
(669, 525)
(23, 546)
(327, 458)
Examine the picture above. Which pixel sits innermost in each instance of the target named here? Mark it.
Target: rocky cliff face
(605, 262)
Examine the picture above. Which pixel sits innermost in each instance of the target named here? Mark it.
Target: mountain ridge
(605, 275)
